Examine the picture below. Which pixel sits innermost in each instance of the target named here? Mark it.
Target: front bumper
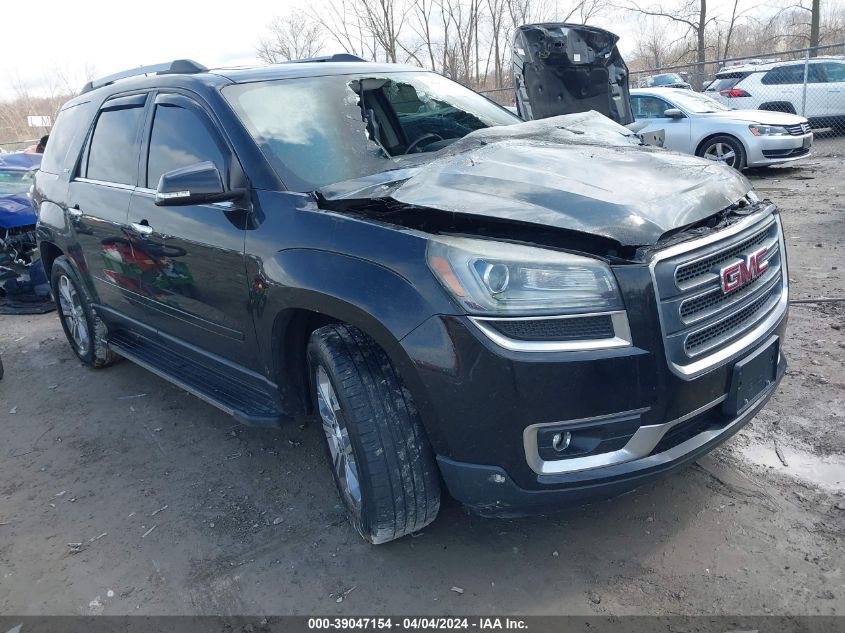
(490, 491)
(773, 150)
(493, 414)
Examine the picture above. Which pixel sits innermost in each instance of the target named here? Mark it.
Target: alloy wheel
(74, 315)
(721, 152)
(337, 436)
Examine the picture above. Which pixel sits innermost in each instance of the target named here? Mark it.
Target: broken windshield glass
(319, 130)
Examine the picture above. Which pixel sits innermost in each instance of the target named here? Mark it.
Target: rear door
(650, 109)
(99, 194)
(190, 259)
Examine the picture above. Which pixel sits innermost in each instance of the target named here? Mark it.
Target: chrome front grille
(699, 319)
(798, 129)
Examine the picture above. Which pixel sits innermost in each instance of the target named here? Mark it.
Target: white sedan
(694, 123)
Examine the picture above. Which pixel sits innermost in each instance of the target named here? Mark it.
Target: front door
(190, 259)
(650, 110)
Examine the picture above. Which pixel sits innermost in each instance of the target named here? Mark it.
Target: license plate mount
(751, 376)
(807, 142)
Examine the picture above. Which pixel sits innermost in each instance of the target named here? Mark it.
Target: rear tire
(85, 331)
(383, 466)
(725, 149)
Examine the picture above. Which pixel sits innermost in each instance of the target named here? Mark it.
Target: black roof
(189, 74)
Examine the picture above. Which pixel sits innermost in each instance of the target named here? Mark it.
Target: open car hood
(561, 68)
(578, 172)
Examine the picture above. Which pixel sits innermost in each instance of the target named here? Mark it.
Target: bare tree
(693, 19)
(422, 12)
(295, 36)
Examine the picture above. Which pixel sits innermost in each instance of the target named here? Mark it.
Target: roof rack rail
(337, 57)
(177, 66)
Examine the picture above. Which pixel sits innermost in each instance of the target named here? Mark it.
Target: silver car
(694, 123)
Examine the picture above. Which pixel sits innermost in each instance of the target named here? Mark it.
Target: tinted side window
(792, 75)
(834, 71)
(180, 138)
(113, 153)
(69, 125)
(784, 75)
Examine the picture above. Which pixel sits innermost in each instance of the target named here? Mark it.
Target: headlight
(498, 278)
(767, 130)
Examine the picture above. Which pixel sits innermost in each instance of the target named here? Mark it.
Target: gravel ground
(121, 494)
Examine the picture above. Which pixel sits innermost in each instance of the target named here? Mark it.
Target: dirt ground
(176, 509)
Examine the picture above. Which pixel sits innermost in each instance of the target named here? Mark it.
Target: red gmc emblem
(742, 272)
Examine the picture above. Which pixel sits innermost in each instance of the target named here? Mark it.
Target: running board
(246, 403)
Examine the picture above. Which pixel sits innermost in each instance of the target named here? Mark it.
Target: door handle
(142, 229)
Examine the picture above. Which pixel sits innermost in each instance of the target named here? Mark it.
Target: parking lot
(122, 494)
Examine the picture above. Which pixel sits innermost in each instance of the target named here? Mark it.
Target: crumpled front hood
(580, 172)
(630, 195)
(16, 211)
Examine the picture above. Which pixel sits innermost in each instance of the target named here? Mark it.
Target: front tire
(85, 331)
(383, 466)
(724, 149)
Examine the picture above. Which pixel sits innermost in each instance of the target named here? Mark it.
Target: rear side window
(180, 138)
(70, 124)
(835, 72)
(113, 152)
(726, 81)
(792, 75)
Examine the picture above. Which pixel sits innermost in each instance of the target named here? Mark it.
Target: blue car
(23, 285)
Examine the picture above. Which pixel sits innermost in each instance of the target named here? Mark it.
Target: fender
(342, 287)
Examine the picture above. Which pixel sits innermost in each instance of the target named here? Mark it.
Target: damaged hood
(579, 172)
(16, 211)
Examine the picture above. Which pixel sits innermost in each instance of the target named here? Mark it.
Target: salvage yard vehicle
(534, 313)
(694, 123)
(23, 285)
(665, 80)
(815, 89)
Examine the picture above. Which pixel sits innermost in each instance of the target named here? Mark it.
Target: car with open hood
(531, 314)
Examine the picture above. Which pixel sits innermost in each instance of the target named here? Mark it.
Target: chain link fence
(809, 82)
(502, 96)
(17, 146)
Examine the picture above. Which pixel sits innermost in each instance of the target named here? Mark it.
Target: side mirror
(673, 113)
(195, 184)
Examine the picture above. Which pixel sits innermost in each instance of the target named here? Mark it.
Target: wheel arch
(316, 288)
(700, 145)
(49, 252)
(292, 330)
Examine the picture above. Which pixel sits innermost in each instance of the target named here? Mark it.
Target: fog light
(561, 441)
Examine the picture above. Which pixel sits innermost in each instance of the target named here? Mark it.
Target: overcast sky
(50, 38)
(42, 37)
